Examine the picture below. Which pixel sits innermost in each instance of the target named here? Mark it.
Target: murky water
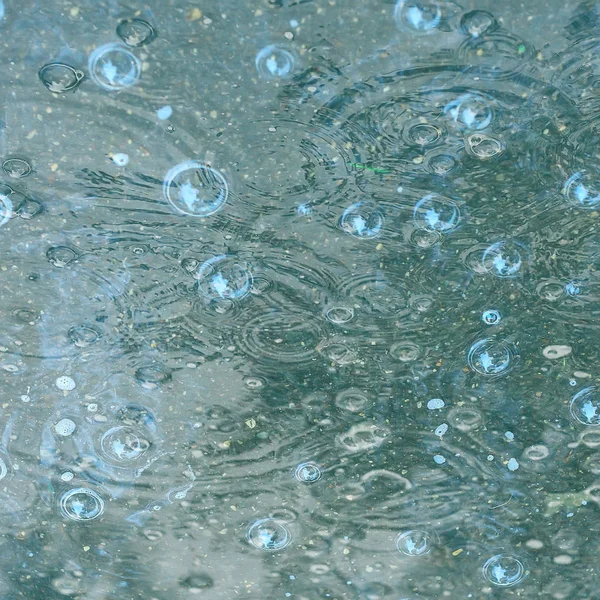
(300, 299)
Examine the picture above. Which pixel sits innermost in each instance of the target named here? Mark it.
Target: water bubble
(269, 534)
(585, 406)
(135, 32)
(59, 78)
(308, 472)
(503, 570)
(435, 404)
(439, 459)
(84, 335)
(477, 22)
(509, 435)
(113, 67)
(572, 289)
(61, 256)
(414, 543)
(405, 351)
(436, 213)
(422, 134)
(223, 278)
(67, 476)
(581, 192)
(65, 427)
(275, 62)
(441, 164)
(491, 317)
(513, 464)
(164, 113)
(65, 383)
(484, 147)
(29, 208)
(421, 16)
(81, 504)
(503, 259)
(470, 111)
(557, 351)
(123, 445)
(195, 189)
(6, 210)
(254, 382)
(352, 400)
(340, 314)
(16, 168)
(120, 159)
(304, 210)
(492, 357)
(362, 220)
(441, 430)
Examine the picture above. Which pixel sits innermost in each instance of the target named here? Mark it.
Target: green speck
(521, 49)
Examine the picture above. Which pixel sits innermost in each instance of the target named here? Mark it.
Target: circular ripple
(123, 445)
(16, 168)
(81, 504)
(113, 67)
(503, 570)
(484, 147)
(195, 189)
(414, 543)
(362, 220)
(308, 472)
(59, 77)
(269, 534)
(492, 357)
(585, 406)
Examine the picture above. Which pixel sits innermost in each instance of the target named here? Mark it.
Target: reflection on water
(300, 299)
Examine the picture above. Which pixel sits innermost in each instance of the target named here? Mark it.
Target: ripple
(83, 336)
(17, 168)
(492, 357)
(352, 400)
(6, 210)
(504, 570)
(484, 147)
(339, 315)
(269, 534)
(585, 406)
(308, 472)
(81, 504)
(123, 445)
(414, 543)
(222, 277)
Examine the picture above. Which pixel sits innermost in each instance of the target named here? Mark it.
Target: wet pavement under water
(300, 299)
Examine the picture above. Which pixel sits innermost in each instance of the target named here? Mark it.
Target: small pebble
(164, 113)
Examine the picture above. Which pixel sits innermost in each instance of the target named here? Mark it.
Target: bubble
(352, 400)
(363, 436)
(65, 427)
(513, 464)
(491, 317)
(81, 504)
(421, 16)
(29, 208)
(435, 404)
(65, 383)
(308, 472)
(503, 570)
(113, 67)
(405, 351)
(195, 189)
(414, 543)
(16, 168)
(135, 32)
(269, 534)
(580, 191)
(362, 220)
(275, 62)
(59, 78)
(492, 357)
(339, 314)
(556, 352)
(153, 375)
(585, 406)
(470, 111)
(6, 210)
(439, 459)
(61, 256)
(120, 159)
(422, 134)
(436, 213)
(123, 445)
(223, 278)
(254, 382)
(477, 22)
(484, 147)
(67, 476)
(84, 335)
(572, 289)
(503, 259)
(441, 164)
(164, 113)
(441, 430)
(509, 435)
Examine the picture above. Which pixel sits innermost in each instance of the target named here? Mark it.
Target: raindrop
(509, 435)
(113, 67)
(135, 32)
(223, 278)
(477, 22)
(421, 16)
(275, 62)
(492, 357)
(16, 168)
(405, 351)
(484, 147)
(470, 111)
(3, 469)
(59, 78)
(123, 445)
(65, 383)
(6, 210)
(269, 534)
(83, 335)
(308, 472)
(436, 213)
(65, 427)
(580, 192)
(491, 317)
(585, 406)
(362, 220)
(195, 189)
(503, 570)
(81, 504)
(503, 259)
(414, 543)
(340, 314)
(61, 256)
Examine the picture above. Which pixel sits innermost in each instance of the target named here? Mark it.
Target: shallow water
(300, 299)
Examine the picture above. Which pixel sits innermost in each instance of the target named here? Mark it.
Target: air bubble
(435, 404)
(339, 314)
(484, 147)
(470, 111)
(81, 504)
(113, 67)
(65, 427)
(362, 220)
(84, 335)
(503, 259)
(585, 406)
(477, 22)
(65, 383)
(491, 317)
(223, 278)
(441, 430)
(120, 159)
(492, 357)
(436, 213)
(17, 168)
(422, 16)
(308, 472)
(164, 113)
(135, 32)
(581, 192)
(275, 62)
(269, 534)
(439, 459)
(123, 445)
(6, 210)
(414, 543)
(67, 476)
(195, 189)
(59, 78)
(557, 351)
(503, 570)
(61, 256)
(513, 464)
